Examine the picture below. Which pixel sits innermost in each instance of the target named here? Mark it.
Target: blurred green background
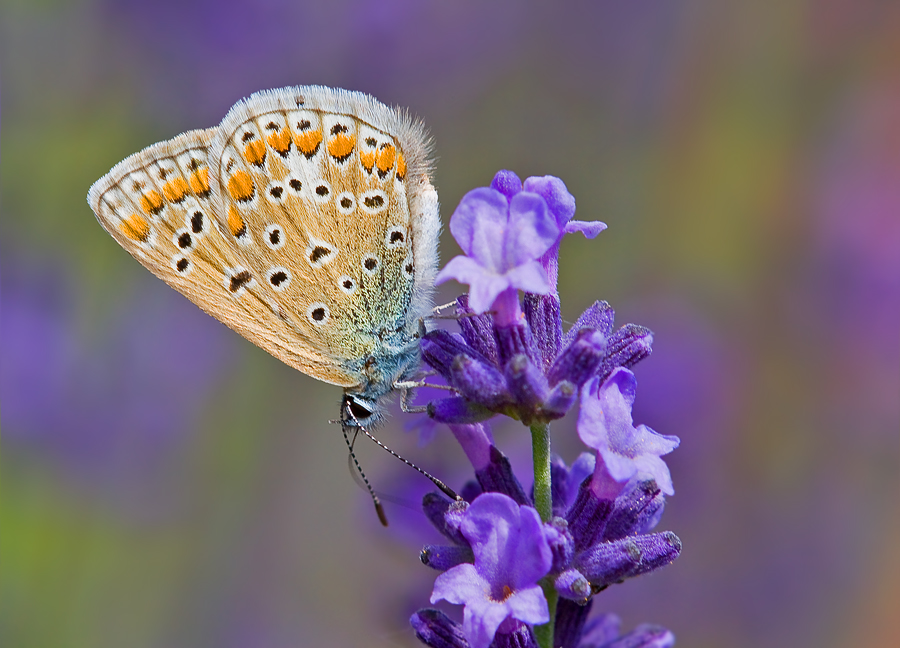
(166, 483)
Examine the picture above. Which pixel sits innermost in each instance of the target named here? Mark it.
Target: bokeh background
(166, 483)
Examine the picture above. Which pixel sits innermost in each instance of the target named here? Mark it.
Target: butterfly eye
(357, 410)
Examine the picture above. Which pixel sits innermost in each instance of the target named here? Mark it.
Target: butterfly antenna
(379, 509)
(449, 492)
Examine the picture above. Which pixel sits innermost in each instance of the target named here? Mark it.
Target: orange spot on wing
(175, 190)
(200, 181)
(341, 146)
(136, 228)
(152, 202)
(385, 159)
(280, 140)
(401, 167)
(236, 222)
(240, 186)
(368, 160)
(255, 152)
(308, 141)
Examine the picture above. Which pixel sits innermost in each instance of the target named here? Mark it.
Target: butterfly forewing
(317, 202)
(158, 204)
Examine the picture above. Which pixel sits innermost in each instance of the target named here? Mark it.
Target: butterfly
(306, 221)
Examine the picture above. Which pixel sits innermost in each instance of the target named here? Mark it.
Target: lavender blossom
(605, 424)
(527, 565)
(503, 240)
(511, 555)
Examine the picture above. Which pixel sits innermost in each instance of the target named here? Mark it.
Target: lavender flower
(605, 424)
(503, 238)
(510, 360)
(527, 565)
(511, 555)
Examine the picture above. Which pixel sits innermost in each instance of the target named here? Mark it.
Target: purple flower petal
(605, 424)
(511, 555)
(485, 284)
(589, 228)
(531, 230)
(479, 224)
(528, 277)
(554, 192)
(508, 540)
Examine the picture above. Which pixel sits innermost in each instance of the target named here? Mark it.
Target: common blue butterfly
(306, 221)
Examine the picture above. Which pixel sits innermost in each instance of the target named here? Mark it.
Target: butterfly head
(359, 411)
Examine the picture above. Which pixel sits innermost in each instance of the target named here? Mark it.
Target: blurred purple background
(168, 484)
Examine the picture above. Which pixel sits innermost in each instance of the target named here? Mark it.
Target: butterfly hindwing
(159, 205)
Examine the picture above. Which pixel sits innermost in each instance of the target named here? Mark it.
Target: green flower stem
(543, 502)
(540, 450)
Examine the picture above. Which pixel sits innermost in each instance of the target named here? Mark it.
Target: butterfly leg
(436, 312)
(407, 389)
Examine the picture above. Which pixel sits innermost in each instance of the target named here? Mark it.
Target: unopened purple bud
(613, 562)
(444, 557)
(600, 630)
(470, 490)
(559, 486)
(572, 585)
(479, 382)
(457, 409)
(635, 511)
(527, 383)
(453, 518)
(436, 629)
(542, 312)
(439, 347)
(436, 507)
(644, 636)
(507, 183)
(512, 633)
(625, 348)
(497, 477)
(513, 340)
(477, 329)
(562, 546)
(569, 626)
(588, 516)
(579, 361)
(560, 399)
(599, 316)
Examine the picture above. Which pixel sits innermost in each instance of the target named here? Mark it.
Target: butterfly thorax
(383, 369)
